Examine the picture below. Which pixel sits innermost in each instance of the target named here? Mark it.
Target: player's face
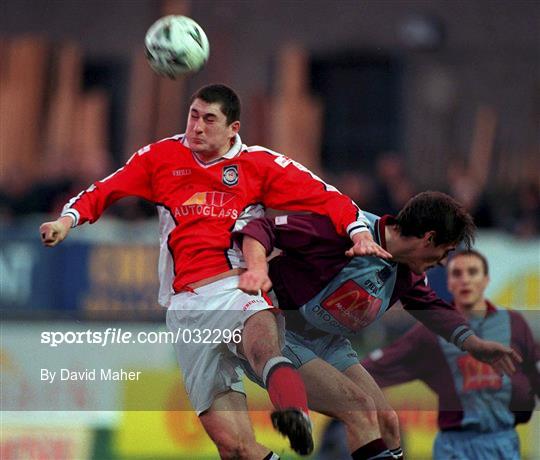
(207, 131)
(467, 280)
(427, 255)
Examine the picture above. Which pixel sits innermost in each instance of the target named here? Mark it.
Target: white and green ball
(176, 45)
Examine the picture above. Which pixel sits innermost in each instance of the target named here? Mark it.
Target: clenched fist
(55, 232)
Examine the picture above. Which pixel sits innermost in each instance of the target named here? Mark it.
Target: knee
(233, 447)
(259, 344)
(261, 352)
(389, 423)
(362, 409)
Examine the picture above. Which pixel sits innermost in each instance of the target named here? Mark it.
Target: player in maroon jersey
(205, 184)
(478, 408)
(338, 296)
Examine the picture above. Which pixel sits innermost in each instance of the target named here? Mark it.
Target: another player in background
(478, 408)
(206, 183)
(338, 296)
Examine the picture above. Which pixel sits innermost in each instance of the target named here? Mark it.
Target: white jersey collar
(231, 153)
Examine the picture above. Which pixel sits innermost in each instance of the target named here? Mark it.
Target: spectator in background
(526, 220)
(478, 408)
(464, 187)
(356, 185)
(393, 188)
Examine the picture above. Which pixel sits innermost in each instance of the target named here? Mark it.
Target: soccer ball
(176, 45)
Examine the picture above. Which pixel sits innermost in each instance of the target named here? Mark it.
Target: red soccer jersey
(199, 203)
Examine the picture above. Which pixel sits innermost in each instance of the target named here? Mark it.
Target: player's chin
(416, 269)
(196, 145)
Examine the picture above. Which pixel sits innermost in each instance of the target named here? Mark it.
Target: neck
(395, 244)
(208, 156)
(476, 310)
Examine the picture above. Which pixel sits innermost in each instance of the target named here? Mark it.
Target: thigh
(208, 369)
(364, 380)
(329, 391)
(261, 338)
(206, 323)
(337, 351)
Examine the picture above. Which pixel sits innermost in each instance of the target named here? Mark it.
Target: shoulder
(518, 321)
(305, 221)
(164, 145)
(160, 149)
(412, 280)
(175, 142)
(263, 154)
(317, 226)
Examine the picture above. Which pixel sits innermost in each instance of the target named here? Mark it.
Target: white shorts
(207, 354)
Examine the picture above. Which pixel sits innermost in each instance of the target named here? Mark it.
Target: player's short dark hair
(474, 253)
(224, 96)
(438, 212)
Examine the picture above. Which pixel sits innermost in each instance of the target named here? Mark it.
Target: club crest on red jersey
(230, 175)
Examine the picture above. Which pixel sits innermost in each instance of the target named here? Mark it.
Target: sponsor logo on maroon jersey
(210, 204)
(478, 375)
(352, 306)
(230, 175)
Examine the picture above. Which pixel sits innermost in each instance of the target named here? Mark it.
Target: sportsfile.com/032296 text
(116, 336)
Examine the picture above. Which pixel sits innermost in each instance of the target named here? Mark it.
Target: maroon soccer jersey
(471, 394)
(314, 253)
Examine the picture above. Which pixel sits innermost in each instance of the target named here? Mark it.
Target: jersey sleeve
(133, 179)
(261, 229)
(294, 233)
(290, 186)
(313, 253)
(400, 362)
(529, 350)
(437, 315)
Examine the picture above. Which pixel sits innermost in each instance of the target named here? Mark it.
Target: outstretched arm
(290, 186)
(255, 279)
(403, 360)
(443, 319)
(133, 179)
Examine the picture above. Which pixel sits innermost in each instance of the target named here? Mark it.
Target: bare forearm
(254, 254)
(255, 279)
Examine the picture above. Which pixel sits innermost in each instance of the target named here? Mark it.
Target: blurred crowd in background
(382, 102)
(516, 210)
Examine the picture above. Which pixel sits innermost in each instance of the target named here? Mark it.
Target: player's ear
(235, 126)
(429, 238)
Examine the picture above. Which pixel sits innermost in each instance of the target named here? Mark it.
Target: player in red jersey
(205, 184)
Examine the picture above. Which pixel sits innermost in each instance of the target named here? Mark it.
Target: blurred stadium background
(381, 98)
